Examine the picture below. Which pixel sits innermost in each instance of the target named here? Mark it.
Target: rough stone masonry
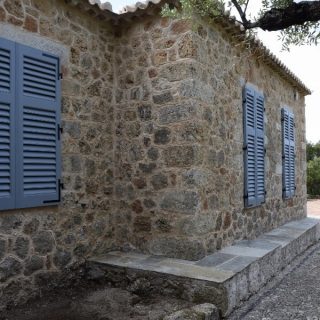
(152, 144)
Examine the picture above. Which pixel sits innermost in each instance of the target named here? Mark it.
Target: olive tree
(298, 22)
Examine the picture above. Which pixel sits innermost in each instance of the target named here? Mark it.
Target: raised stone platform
(224, 278)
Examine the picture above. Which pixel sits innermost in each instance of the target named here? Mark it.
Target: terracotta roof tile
(101, 5)
(138, 5)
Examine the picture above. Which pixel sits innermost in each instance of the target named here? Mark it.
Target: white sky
(303, 61)
(119, 4)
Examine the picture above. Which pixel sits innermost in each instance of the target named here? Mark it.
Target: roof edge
(103, 11)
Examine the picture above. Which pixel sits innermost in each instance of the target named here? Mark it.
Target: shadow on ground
(96, 304)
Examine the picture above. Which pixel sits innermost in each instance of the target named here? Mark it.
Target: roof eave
(102, 11)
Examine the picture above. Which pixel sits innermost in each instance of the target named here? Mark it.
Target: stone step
(225, 278)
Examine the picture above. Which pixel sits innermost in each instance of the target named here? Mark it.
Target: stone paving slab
(215, 259)
(258, 243)
(245, 251)
(230, 275)
(237, 264)
(294, 294)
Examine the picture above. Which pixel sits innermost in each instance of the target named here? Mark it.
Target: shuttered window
(29, 127)
(254, 151)
(7, 124)
(288, 153)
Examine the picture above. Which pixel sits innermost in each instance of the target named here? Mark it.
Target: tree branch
(241, 13)
(282, 18)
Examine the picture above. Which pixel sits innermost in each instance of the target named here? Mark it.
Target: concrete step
(225, 278)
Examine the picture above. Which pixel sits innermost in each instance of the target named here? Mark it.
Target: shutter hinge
(284, 189)
(59, 131)
(265, 193)
(60, 75)
(60, 186)
(246, 196)
(265, 151)
(282, 118)
(245, 147)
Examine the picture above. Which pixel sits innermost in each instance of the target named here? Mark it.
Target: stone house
(171, 140)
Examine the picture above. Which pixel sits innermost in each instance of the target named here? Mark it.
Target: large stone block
(21, 247)
(9, 267)
(178, 71)
(181, 201)
(182, 156)
(177, 248)
(43, 242)
(204, 311)
(177, 113)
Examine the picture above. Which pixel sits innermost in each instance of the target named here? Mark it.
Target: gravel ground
(293, 295)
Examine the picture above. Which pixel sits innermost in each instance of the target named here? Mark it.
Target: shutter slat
(260, 156)
(39, 105)
(288, 153)
(292, 154)
(7, 125)
(40, 173)
(34, 70)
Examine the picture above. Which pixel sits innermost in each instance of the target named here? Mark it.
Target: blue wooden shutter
(7, 124)
(288, 153)
(38, 125)
(260, 153)
(249, 143)
(254, 157)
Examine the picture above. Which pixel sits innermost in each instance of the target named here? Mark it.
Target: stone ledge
(224, 278)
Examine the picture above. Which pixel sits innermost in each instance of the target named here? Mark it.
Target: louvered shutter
(260, 155)
(38, 124)
(7, 124)
(249, 142)
(288, 153)
(254, 158)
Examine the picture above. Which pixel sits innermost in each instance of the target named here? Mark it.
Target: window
(254, 151)
(29, 127)
(288, 153)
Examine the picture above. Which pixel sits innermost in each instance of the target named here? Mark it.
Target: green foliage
(269, 4)
(190, 7)
(313, 176)
(313, 150)
(313, 168)
(306, 34)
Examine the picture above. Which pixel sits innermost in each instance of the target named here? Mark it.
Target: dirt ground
(96, 303)
(107, 303)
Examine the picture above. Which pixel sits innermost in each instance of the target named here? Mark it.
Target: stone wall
(152, 143)
(36, 243)
(179, 139)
